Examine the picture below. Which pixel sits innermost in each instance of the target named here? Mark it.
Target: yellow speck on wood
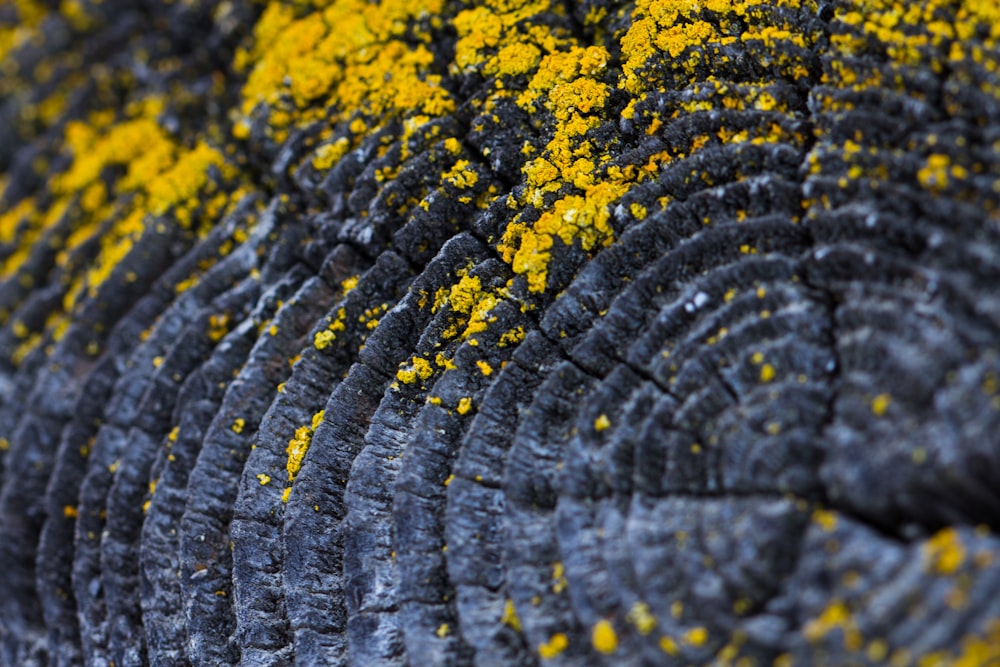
(70, 512)
(510, 617)
(836, 615)
(443, 630)
(880, 404)
(238, 425)
(419, 368)
(323, 339)
(642, 618)
(767, 373)
(602, 423)
(603, 637)
(696, 636)
(668, 645)
(944, 552)
(556, 644)
(464, 405)
(297, 448)
(825, 519)
(264, 479)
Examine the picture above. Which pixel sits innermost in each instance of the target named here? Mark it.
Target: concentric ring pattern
(435, 332)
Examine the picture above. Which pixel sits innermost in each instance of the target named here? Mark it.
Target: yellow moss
(464, 405)
(484, 367)
(238, 425)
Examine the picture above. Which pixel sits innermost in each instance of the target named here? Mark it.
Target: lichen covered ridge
(513, 332)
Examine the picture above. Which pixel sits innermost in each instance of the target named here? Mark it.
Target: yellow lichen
(510, 617)
(669, 646)
(603, 637)
(460, 175)
(880, 404)
(642, 618)
(556, 644)
(767, 373)
(328, 155)
(351, 57)
(944, 552)
(825, 519)
(696, 636)
(299, 445)
(835, 616)
(418, 368)
(323, 339)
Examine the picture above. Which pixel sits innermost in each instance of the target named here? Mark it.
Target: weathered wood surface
(505, 333)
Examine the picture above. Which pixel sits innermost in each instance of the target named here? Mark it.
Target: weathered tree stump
(504, 333)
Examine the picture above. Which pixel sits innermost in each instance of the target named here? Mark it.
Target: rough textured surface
(432, 332)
